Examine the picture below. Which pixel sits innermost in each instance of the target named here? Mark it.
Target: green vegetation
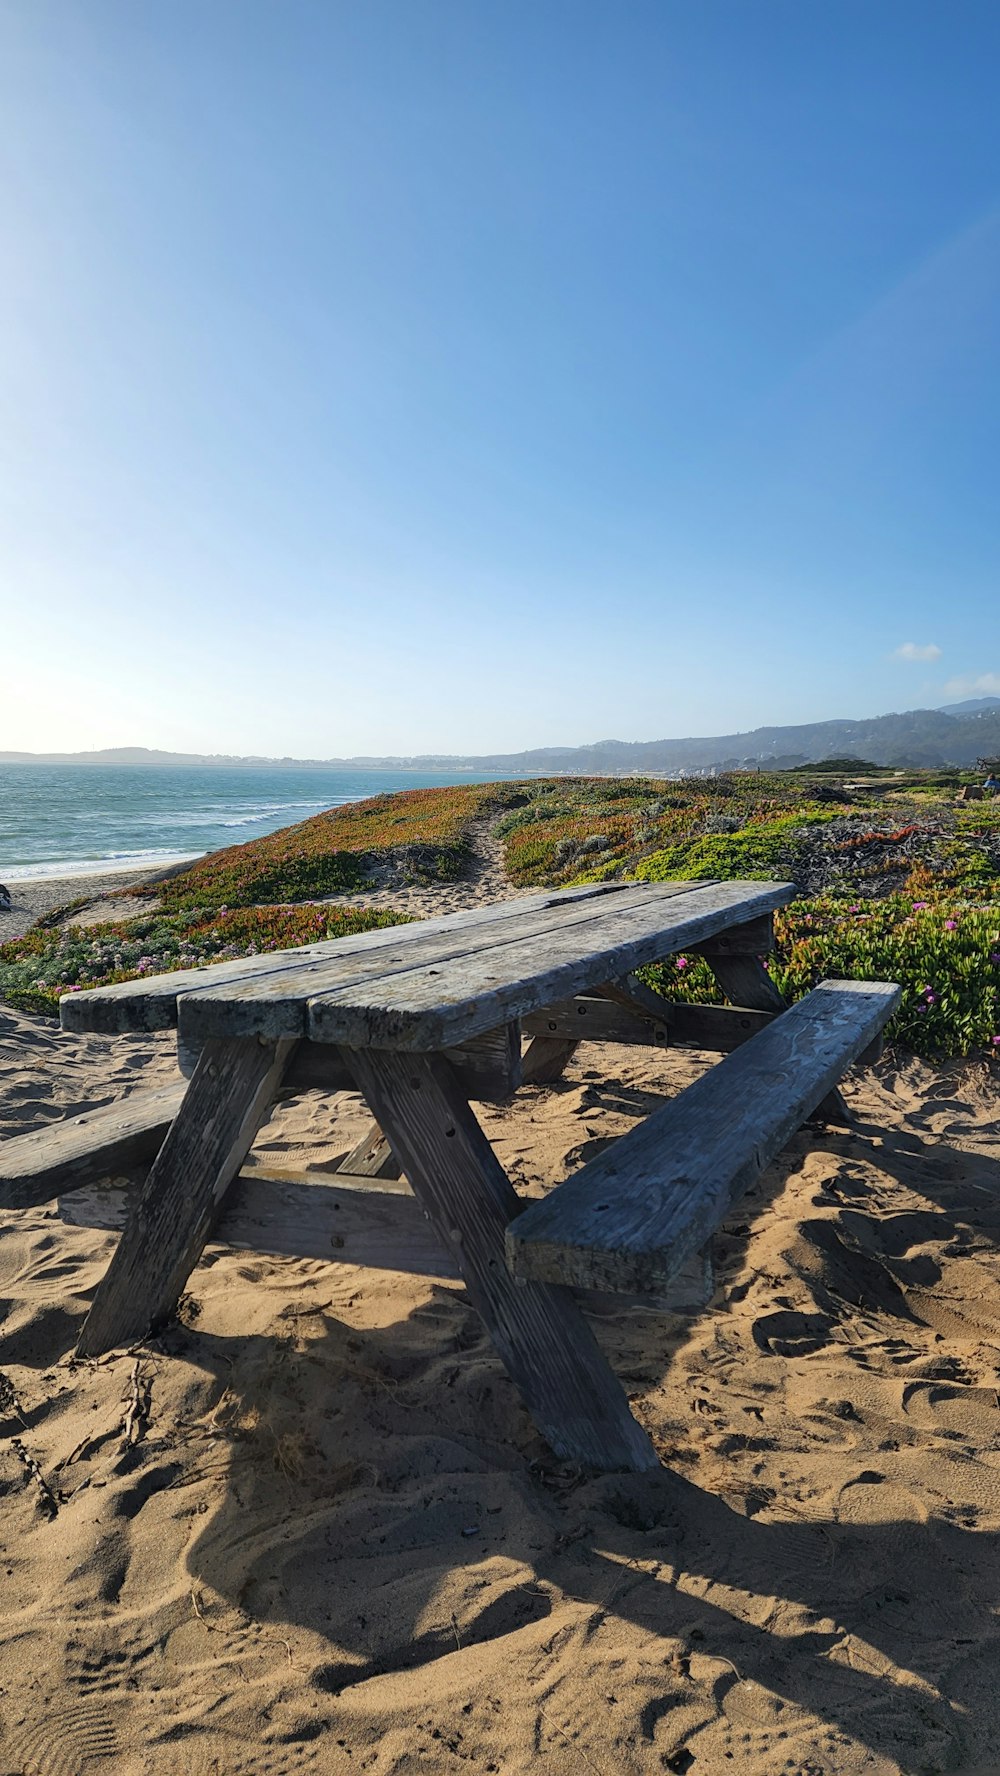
(900, 884)
(588, 829)
(944, 952)
(845, 767)
(903, 888)
(425, 831)
(766, 848)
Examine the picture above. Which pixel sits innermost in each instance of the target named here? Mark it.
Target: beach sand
(311, 1527)
(31, 900)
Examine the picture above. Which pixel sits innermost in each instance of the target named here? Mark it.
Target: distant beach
(32, 899)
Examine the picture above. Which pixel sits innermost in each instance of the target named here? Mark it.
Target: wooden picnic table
(420, 1019)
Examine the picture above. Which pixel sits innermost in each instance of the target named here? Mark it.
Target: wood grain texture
(719, 1028)
(541, 1336)
(151, 1003)
(715, 1027)
(434, 1007)
(632, 1216)
(628, 990)
(755, 938)
(68, 1155)
(545, 1060)
(371, 1158)
(747, 983)
(277, 1006)
(295, 1214)
(488, 1066)
(596, 1020)
(292, 1213)
(225, 1104)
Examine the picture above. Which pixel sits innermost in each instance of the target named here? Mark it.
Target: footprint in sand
(75, 1735)
(790, 1334)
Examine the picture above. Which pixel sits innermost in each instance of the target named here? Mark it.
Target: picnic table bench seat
(81, 1150)
(633, 1216)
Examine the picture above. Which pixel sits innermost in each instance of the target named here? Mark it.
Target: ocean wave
(212, 817)
(250, 818)
(66, 868)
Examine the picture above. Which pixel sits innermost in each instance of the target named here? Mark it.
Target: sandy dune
(312, 1529)
(484, 882)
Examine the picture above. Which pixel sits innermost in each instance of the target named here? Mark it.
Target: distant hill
(956, 735)
(973, 706)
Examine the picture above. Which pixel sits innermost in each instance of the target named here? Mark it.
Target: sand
(30, 900)
(311, 1527)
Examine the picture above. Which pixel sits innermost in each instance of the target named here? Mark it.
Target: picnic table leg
(225, 1104)
(745, 981)
(371, 1158)
(544, 1060)
(542, 1337)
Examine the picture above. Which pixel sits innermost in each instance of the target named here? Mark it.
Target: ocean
(76, 820)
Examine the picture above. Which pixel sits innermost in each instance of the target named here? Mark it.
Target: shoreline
(32, 898)
(93, 869)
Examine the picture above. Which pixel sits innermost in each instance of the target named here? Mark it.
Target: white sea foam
(254, 815)
(68, 868)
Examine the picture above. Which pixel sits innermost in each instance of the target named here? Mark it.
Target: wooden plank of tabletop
(151, 1004)
(264, 1006)
(432, 1008)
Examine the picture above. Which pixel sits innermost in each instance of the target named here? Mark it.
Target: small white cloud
(986, 684)
(912, 650)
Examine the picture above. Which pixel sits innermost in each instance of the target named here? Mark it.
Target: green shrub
(760, 850)
(943, 951)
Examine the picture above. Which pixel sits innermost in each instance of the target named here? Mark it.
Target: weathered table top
(433, 984)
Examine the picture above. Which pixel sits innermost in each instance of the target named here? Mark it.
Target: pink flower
(918, 905)
(682, 961)
(950, 924)
(996, 1041)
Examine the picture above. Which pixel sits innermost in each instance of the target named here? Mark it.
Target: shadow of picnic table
(420, 1515)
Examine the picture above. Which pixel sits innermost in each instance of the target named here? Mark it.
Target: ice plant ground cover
(425, 832)
(900, 884)
(942, 949)
(38, 968)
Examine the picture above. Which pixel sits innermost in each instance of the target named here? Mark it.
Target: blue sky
(419, 375)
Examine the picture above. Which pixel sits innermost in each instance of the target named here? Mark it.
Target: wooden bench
(631, 1218)
(352, 1219)
(82, 1150)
